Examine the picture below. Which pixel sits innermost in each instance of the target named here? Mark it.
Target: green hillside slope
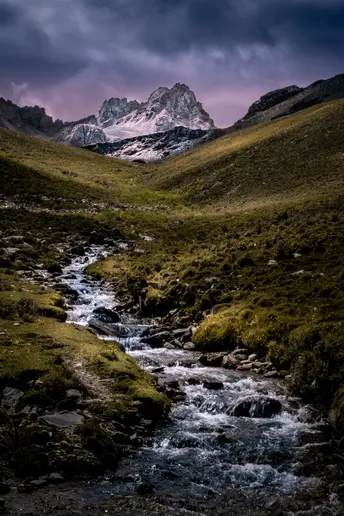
(251, 247)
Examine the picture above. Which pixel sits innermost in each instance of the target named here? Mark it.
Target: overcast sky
(70, 55)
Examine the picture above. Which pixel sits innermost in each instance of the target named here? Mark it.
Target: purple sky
(70, 55)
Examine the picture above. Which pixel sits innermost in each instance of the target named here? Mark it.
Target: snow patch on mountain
(155, 147)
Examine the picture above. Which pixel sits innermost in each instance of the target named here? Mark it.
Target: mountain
(31, 120)
(164, 110)
(290, 100)
(119, 120)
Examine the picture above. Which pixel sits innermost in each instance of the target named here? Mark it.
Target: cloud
(72, 55)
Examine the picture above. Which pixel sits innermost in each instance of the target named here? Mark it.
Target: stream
(203, 451)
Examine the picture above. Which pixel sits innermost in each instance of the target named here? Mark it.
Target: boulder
(158, 339)
(106, 315)
(229, 362)
(212, 359)
(257, 407)
(64, 420)
(213, 386)
(73, 394)
(11, 398)
(189, 346)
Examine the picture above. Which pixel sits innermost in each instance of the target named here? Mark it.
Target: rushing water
(202, 450)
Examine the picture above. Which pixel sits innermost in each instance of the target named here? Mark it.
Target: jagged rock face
(268, 109)
(29, 119)
(155, 147)
(82, 134)
(272, 99)
(113, 110)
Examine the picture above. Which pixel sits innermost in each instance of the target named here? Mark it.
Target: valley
(239, 244)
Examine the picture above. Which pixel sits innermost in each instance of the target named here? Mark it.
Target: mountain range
(171, 122)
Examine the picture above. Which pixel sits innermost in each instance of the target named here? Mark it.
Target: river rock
(11, 398)
(212, 359)
(245, 367)
(213, 386)
(242, 351)
(241, 357)
(109, 329)
(253, 357)
(257, 408)
(272, 374)
(189, 346)
(106, 315)
(158, 339)
(229, 362)
(62, 420)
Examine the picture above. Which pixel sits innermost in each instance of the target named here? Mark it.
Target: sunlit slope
(294, 158)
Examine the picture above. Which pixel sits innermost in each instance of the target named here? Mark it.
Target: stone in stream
(109, 329)
(62, 420)
(212, 359)
(158, 339)
(106, 315)
(257, 408)
(213, 386)
(189, 346)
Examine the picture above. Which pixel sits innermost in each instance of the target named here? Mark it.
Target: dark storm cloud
(71, 55)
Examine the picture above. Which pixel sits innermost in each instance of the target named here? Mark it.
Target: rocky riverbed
(234, 442)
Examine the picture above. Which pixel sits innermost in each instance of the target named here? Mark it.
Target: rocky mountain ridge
(290, 100)
(169, 123)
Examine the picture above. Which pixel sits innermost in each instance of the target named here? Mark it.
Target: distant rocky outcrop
(32, 120)
(290, 100)
(155, 147)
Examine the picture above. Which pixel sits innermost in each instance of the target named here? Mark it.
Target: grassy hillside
(293, 159)
(252, 249)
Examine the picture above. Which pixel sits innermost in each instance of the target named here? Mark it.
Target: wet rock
(245, 367)
(257, 408)
(272, 374)
(229, 362)
(106, 315)
(78, 250)
(193, 381)
(109, 329)
(180, 333)
(158, 339)
(145, 489)
(189, 346)
(241, 351)
(54, 268)
(253, 357)
(213, 386)
(225, 439)
(66, 420)
(10, 399)
(241, 357)
(158, 370)
(168, 345)
(212, 359)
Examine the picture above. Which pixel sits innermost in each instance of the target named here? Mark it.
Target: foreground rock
(257, 408)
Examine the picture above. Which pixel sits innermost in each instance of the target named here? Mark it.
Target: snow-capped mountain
(165, 109)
